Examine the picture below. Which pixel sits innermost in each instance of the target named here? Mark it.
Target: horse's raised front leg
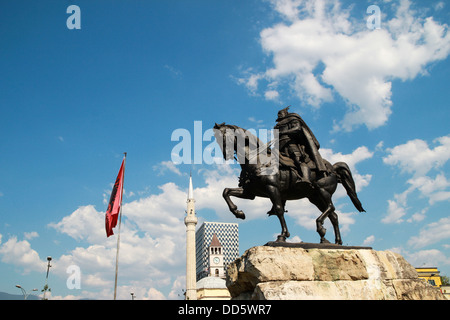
(236, 192)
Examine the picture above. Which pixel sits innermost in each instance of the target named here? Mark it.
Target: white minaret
(190, 221)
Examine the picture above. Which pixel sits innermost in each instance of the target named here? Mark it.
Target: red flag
(115, 201)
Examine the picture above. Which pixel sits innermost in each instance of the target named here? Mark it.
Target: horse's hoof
(338, 242)
(281, 238)
(239, 214)
(323, 240)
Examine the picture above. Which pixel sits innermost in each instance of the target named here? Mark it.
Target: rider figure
(297, 142)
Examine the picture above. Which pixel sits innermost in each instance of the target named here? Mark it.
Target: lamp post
(132, 295)
(46, 277)
(25, 295)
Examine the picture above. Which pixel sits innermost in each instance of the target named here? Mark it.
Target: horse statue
(276, 180)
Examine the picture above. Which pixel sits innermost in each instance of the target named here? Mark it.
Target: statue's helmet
(283, 113)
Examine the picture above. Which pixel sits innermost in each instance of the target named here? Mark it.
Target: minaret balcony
(190, 219)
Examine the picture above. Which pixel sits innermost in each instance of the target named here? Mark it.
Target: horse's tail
(345, 177)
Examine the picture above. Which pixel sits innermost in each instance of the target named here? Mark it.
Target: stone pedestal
(296, 273)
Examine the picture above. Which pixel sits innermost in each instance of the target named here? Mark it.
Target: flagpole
(120, 223)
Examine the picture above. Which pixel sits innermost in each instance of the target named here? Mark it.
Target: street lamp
(25, 295)
(46, 277)
(132, 295)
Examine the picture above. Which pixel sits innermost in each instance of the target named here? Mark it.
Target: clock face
(216, 260)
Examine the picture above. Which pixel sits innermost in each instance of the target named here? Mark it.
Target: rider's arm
(295, 127)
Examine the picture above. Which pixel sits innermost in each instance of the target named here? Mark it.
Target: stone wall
(286, 273)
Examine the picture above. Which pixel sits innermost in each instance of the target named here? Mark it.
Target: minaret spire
(190, 221)
(191, 188)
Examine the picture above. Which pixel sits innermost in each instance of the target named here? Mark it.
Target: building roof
(211, 283)
(427, 268)
(215, 241)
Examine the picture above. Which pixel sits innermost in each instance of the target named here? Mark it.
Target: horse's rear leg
(278, 209)
(324, 203)
(337, 233)
(320, 228)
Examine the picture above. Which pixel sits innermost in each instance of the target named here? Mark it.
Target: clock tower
(216, 266)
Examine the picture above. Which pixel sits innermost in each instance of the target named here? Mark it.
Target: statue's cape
(308, 133)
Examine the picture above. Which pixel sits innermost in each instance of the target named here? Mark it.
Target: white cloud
(288, 8)
(178, 288)
(30, 235)
(254, 120)
(432, 233)
(159, 214)
(20, 253)
(359, 154)
(154, 294)
(167, 165)
(357, 63)
(431, 257)
(418, 216)
(175, 73)
(434, 189)
(439, 6)
(395, 213)
(369, 240)
(83, 224)
(292, 239)
(418, 159)
(271, 95)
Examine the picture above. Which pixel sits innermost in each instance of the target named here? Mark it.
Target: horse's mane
(247, 133)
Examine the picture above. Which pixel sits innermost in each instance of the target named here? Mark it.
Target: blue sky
(72, 101)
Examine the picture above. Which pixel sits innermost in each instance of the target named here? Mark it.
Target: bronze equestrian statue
(300, 171)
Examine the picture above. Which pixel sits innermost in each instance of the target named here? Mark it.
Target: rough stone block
(294, 273)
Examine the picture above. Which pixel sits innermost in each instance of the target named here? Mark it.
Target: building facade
(430, 275)
(227, 235)
(213, 286)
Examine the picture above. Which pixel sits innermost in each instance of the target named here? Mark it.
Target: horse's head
(219, 127)
(224, 135)
(233, 139)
